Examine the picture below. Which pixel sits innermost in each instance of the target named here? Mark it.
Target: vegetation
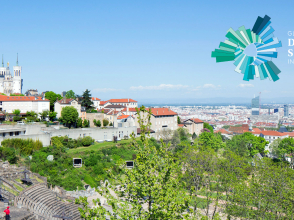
(86, 123)
(53, 97)
(105, 122)
(70, 94)
(69, 116)
(87, 100)
(44, 114)
(97, 123)
(31, 116)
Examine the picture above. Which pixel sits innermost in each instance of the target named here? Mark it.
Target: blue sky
(138, 49)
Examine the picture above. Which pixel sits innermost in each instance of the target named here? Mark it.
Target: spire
(2, 61)
(17, 60)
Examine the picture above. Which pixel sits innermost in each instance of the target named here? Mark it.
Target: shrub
(87, 141)
(105, 122)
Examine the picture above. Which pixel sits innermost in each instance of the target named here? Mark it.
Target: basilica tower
(17, 81)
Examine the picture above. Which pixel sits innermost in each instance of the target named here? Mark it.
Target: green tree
(79, 123)
(247, 145)
(97, 123)
(110, 124)
(210, 140)
(52, 116)
(155, 180)
(283, 148)
(86, 123)
(184, 134)
(206, 125)
(105, 122)
(16, 112)
(44, 114)
(87, 100)
(179, 120)
(31, 116)
(69, 115)
(70, 94)
(53, 97)
(194, 136)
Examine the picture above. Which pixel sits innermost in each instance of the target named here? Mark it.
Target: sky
(145, 50)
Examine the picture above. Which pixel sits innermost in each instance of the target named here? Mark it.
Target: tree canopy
(70, 94)
(69, 115)
(53, 97)
(87, 100)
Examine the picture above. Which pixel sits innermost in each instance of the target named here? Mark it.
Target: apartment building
(161, 119)
(194, 125)
(58, 105)
(23, 103)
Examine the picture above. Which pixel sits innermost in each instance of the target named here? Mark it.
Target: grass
(18, 187)
(18, 180)
(10, 190)
(97, 146)
(39, 180)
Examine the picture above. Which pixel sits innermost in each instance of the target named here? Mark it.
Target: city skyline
(138, 50)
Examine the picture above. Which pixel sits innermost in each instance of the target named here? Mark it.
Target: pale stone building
(10, 83)
(58, 105)
(194, 125)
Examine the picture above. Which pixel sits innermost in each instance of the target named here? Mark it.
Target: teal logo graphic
(252, 50)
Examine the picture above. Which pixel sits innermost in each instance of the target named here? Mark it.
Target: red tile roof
(181, 125)
(121, 100)
(65, 101)
(123, 116)
(162, 111)
(223, 131)
(196, 120)
(291, 134)
(103, 102)
(95, 99)
(273, 133)
(5, 98)
(130, 109)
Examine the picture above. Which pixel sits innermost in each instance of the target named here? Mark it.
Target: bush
(24, 146)
(16, 118)
(105, 122)
(87, 141)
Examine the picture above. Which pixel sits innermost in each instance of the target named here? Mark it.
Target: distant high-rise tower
(255, 106)
(286, 110)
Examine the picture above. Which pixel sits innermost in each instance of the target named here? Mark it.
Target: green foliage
(52, 116)
(206, 125)
(70, 94)
(155, 180)
(15, 94)
(283, 148)
(44, 114)
(110, 124)
(105, 122)
(53, 97)
(8, 154)
(87, 100)
(184, 134)
(16, 112)
(79, 123)
(97, 123)
(16, 118)
(69, 115)
(31, 116)
(87, 141)
(194, 136)
(179, 120)
(210, 140)
(86, 123)
(247, 145)
(23, 146)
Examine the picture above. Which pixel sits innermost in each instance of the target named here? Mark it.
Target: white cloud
(160, 87)
(245, 85)
(106, 90)
(209, 86)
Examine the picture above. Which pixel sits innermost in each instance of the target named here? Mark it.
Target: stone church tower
(10, 84)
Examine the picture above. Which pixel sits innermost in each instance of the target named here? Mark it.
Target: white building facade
(10, 84)
(23, 103)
